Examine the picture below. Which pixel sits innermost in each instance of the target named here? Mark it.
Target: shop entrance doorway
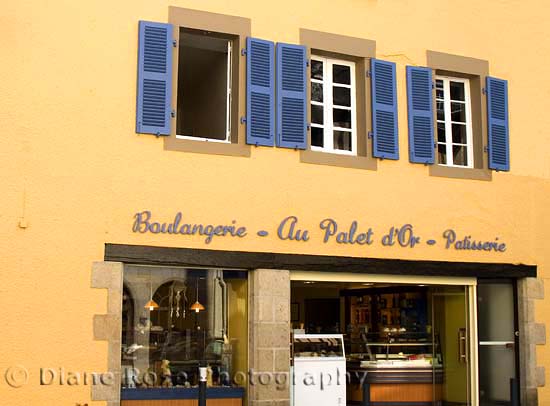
(405, 343)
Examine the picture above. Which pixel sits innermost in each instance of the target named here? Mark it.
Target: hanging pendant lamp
(197, 306)
(151, 304)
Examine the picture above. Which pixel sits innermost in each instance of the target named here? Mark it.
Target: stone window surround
(240, 28)
(476, 70)
(356, 50)
(269, 313)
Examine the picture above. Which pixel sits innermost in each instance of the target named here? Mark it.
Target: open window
(191, 82)
(204, 86)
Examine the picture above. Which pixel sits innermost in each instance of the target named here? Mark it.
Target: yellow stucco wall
(73, 171)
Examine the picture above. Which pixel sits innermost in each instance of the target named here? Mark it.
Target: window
(454, 122)
(206, 89)
(475, 157)
(174, 319)
(326, 50)
(333, 106)
(204, 86)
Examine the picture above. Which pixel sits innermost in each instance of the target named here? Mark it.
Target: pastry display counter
(395, 369)
(394, 384)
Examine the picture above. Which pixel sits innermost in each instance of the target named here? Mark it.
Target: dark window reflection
(316, 70)
(317, 137)
(341, 74)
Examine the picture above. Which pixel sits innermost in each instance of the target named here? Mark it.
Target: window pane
(316, 70)
(317, 114)
(459, 156)
(342, 140)
(458, 112)
(440, 111)
(439, 84)
(442, 154)
(459, 133)
(341, 96)
(317, 137)
(342, 118)
(457, 91)
(341, 74)
(170, 330)
(439, 93)
(441, 132)
(316, 92)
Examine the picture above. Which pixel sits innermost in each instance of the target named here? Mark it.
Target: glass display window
(174, 319)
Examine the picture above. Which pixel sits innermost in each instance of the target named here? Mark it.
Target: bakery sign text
(328, 231)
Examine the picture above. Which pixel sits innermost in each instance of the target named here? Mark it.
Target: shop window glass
(175, 318)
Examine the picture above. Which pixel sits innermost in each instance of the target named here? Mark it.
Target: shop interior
(412, 339)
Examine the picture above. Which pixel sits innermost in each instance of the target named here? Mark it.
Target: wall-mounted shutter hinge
(370, 134)
(243, 120)
(484, 90)
(307, 62)
(243, 52)
(486, 149)
(433, 85)
(173, 113)
(308, 127)
(368, 73)
(174, 43)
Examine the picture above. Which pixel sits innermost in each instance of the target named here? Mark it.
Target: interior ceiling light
(197, 306)
(151, 304)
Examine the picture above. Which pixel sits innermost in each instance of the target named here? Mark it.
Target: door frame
(514, 283)
(470, 283)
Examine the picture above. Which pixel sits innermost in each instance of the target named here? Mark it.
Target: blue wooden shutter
(384, 109)
(291, 96)
(260, 92)
(421, 116)
(497, 111)
(154, 92)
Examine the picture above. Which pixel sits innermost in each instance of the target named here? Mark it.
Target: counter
(394, 383)
(216, 396)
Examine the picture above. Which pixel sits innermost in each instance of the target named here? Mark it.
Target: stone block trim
(108, 327)
(531, 334)
(269, 323)
(541, 376)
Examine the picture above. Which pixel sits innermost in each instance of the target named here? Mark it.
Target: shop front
(346, 331)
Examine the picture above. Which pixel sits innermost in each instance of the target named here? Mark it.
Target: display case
(393, 366)
(319, 370)
(410, 348)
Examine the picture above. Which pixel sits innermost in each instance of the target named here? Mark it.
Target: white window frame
(448, 121)
(328, 106)
(227, 139)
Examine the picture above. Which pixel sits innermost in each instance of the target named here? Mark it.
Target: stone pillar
(531, 335)
(269, 338)
(108, 326)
